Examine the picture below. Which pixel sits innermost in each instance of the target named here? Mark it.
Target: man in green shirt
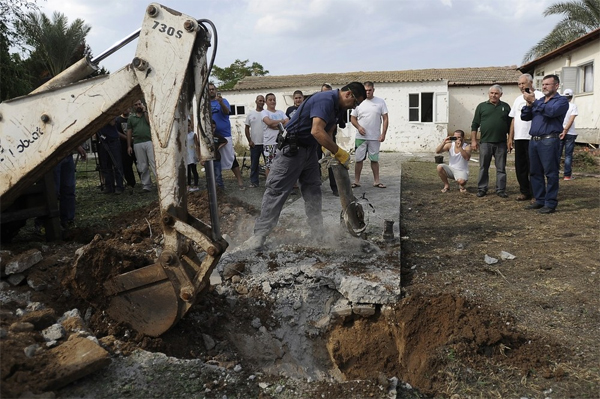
(139, 140)
(491, 118)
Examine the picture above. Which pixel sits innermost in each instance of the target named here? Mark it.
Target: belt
(545, 136)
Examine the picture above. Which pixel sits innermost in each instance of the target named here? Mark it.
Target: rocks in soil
(23, 261)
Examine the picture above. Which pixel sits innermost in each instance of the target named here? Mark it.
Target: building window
(587, 76)
(579, 78)
(237, 109)
(420, 107)
(537, 80)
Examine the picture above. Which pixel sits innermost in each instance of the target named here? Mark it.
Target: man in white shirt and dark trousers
(568, 135)
(255, 136)
(518, 137)
(367, 118)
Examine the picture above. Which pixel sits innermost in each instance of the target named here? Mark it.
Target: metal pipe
(116, 46)
(212, 199)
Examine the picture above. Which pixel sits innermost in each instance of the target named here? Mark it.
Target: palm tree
(580, 18)
(55, 40)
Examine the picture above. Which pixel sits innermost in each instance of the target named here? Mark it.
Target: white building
(424, 105)
(574, 64)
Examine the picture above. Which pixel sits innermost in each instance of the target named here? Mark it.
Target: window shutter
(569, 79)
(441, 107)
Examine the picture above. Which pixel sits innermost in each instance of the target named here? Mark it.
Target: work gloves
(343, 157)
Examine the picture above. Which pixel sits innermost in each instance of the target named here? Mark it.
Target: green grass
(96, 209)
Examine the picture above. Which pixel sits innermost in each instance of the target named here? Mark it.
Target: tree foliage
(15, 78)
(55, 40)
(229, 76)
(579, 18)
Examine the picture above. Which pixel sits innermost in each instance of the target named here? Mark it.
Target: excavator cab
(170, 70)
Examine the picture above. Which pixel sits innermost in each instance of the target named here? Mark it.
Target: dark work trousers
(522, 166)
(255, 154)
(127, 161)
(192, 170)
(110, 164)
(285, 172)
(498, 151)
(64, 182)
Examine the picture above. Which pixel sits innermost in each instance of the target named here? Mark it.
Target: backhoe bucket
(152, 298)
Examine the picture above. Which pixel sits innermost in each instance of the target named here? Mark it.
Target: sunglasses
(356, 103)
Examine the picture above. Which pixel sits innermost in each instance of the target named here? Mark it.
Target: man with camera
(296, 159)
(519, 137)
(458, 165)
(546, 115)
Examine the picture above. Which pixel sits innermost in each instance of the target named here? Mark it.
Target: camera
(527, 90)
(453, 138)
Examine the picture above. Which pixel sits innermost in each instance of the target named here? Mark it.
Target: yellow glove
(343, 157)
(326, 152)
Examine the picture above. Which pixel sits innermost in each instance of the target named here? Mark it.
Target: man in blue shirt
(310, 127)
(220, 114)
(546, 116)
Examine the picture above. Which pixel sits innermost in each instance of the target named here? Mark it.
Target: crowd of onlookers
(539, 127)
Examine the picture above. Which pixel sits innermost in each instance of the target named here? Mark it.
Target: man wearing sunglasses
(310, 127)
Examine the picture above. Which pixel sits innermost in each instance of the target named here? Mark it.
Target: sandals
(354, 185)
(242, 188)
(252, 185)
(445, 189)
(379, 185)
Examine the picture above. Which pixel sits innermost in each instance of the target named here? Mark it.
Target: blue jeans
(255, 154)
(544, 162)
(64, 184)
(569, 144)
(486, 150)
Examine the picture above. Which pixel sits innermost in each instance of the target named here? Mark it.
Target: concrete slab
(384, 202)
(73, 360)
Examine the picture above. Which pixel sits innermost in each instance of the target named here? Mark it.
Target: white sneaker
(253, 243)
(193, 189)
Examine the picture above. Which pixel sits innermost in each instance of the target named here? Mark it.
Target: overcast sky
(312, 36)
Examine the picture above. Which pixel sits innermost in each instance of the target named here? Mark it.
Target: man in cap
(568, 135)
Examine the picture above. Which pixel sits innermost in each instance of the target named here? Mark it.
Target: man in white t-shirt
(255, 135)
(271, 117)
(367, 118)
(518, 137)
(569, 135)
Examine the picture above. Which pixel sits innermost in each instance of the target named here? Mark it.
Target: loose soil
(522, 327)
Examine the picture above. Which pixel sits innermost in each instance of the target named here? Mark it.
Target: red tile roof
(454, 76)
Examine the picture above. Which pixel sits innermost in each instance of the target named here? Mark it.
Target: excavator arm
(170, 71)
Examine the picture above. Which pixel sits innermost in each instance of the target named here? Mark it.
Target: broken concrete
(73, 360)
(40, 319)
(23, 261)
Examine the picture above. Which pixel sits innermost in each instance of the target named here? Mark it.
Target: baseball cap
(568, 93)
